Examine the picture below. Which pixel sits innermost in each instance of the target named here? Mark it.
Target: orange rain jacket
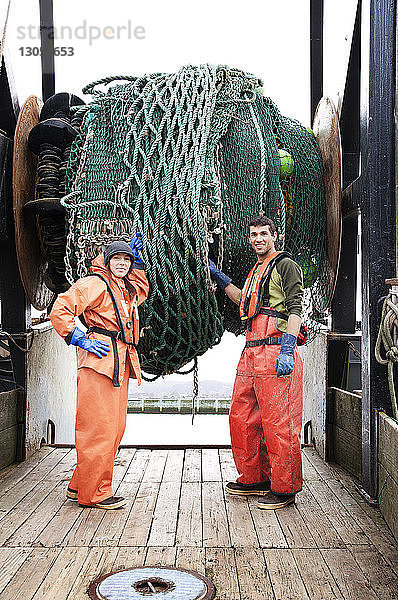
(89, 296)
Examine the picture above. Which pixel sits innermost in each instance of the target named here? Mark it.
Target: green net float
(310, 271)
(286, 164)
(310, 132)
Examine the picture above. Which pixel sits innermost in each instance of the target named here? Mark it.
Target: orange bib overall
(102, 383)
(266, 410)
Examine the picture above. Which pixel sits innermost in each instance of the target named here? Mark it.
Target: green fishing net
(188, 159)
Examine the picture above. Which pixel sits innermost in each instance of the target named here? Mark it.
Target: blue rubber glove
(97, 347)
(136, 245)
(284, 362)
(218, 276)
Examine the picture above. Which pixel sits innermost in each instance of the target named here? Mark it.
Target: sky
(270, 39)
(264, 37)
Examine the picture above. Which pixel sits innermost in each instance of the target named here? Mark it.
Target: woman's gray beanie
(116, 248)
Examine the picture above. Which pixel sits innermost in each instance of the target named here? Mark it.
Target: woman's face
(120, 264)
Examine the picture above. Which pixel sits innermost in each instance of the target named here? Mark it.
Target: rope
(354, 350)
(389, 319)
(10, 338)
(7, 374)
(195, 391)
(89, 89)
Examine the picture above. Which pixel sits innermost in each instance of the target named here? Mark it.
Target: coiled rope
(389, 320)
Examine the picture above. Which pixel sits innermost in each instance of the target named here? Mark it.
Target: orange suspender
(248, 312)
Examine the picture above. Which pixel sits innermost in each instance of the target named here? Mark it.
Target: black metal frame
(15, 307)
(368, 142)
(47, 48)
(15, 310)
(316, 53)
(378, 213)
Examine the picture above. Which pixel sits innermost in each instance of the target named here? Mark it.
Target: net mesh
(188, 159)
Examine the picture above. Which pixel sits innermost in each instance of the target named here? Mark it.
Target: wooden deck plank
(193, 525)
(347, 527)
(164, 556)
(57, 529)
(345, 487)
(317, 521)
(285, 576)
(136, 469)
(122, 463)
(294, 528)
(210, 465)
(174, 466)
(13, 474)
(22, 511)
(268, 529)
(29, 577)
(241, 527)
(317, 578)
(253, 576)
(349, 577)
(228, 469)
(98, 562)
(113, 523)
(15, 490)
(63, 470)
(354, 505)
(129, 558)
(62, 574)
(189, 526)
(10, 561)
(378, 572)
(86, 523)
(373, 523)
(221, 570)
(154, 471)
(84, 527)
(215, 522)
(164, 524)
(25, 485)
(27, 533)
(309, 471)
(368, 518)
(50, 462)
(16, 494)
(138, 523)
(387, 547)
(324, 469)
(192, 465)
(192, 559)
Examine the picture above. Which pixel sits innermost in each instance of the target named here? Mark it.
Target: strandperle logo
(92, 33)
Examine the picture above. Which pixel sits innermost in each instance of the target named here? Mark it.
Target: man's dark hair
(263, 220)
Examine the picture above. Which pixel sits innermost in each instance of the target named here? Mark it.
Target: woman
(106, 357)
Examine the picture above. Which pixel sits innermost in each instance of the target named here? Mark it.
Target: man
(266, 409)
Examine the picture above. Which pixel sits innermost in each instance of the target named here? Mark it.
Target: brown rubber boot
(273, 502)
(248, 489)
(108, 503)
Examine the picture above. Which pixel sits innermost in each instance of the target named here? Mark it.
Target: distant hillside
(176, 389)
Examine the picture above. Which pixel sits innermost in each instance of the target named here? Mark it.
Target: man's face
(262, 240)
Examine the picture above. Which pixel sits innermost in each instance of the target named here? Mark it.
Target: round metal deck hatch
(163, 583)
